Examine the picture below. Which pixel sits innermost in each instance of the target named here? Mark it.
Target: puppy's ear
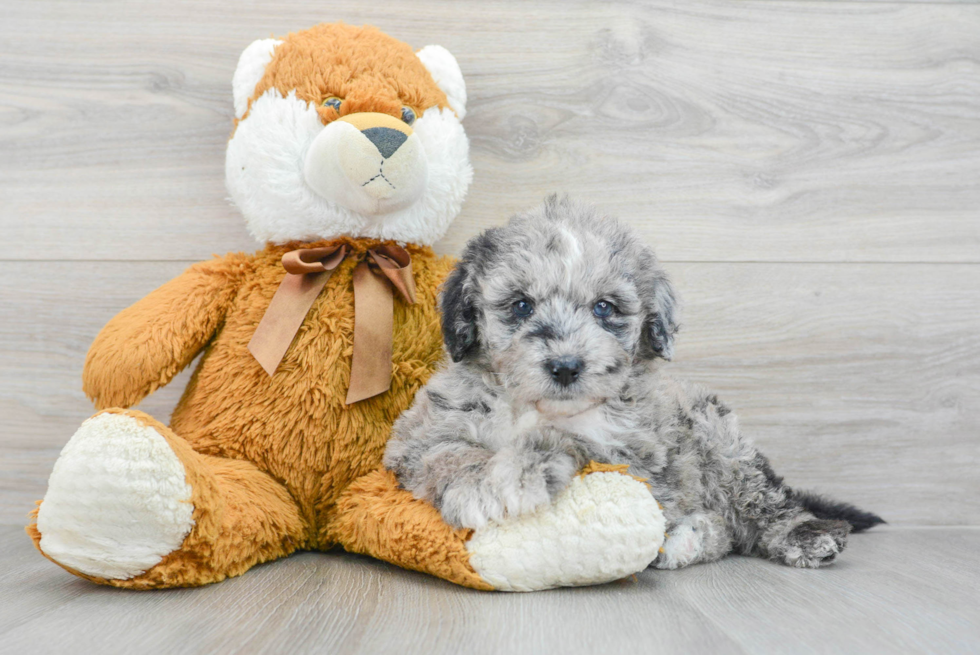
(459, 329)
(660, 323)
(460, 299)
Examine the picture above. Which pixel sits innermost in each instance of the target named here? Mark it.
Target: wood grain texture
(859, 380)
(810, 170)
(751, 131)
(882, 596)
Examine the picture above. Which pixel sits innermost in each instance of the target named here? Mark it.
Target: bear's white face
(365, 174)
(369, 162)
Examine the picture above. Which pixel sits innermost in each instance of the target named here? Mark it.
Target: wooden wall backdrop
(807, 170)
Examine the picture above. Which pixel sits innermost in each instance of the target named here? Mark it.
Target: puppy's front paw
(515, 483)
(815, 543)
(528, 480)
(682, 546)
(469, 506)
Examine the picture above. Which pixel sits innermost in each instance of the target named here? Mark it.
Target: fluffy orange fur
(366, 68)
(380, 519)
(268, 458)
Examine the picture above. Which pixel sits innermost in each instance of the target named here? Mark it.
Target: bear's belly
(295, 424)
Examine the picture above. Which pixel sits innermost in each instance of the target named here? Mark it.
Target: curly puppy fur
(557, 324)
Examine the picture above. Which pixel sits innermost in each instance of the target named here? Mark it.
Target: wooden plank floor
(893, 591)
(809, 181)
(808, 170)
(846, 391)
(750, 131)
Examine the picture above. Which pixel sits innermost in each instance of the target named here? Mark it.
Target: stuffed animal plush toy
(348, 160)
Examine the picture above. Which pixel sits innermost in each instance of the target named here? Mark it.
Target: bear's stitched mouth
(380, 174)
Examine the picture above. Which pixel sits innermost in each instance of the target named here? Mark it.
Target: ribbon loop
(307, 272)
(396, 265)
(313, 260)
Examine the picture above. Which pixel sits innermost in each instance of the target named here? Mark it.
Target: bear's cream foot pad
(117, 500)
(604, 526)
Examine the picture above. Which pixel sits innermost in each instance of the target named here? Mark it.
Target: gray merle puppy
(557, 324)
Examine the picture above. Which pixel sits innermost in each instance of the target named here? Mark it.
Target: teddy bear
(348, 160)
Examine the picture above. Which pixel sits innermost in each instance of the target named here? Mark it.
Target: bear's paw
(603, 527)
(117, 500)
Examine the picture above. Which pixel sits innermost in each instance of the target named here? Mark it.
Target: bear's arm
(144, 346)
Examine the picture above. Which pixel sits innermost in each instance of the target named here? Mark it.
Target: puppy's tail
(825, 508)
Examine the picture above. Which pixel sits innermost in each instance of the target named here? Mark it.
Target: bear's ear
(251, 68)
(445, 71)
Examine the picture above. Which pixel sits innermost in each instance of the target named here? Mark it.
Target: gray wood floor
(895, 591)
(808, 170)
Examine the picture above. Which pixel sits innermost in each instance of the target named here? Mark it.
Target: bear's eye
(408, 115)
(522, 308)
(603, 309)
(333, 101)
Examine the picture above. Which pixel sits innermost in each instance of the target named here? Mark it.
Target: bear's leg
(131, 504)
(603, 527)
(375, 517)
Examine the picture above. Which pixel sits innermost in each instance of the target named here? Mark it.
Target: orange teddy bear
(348, 160)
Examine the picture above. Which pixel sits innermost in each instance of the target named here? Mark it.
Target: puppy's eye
(603, 309)
(333, 101)
(522, 308)
(408, 115)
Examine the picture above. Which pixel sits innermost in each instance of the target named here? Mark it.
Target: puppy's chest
(597, 427)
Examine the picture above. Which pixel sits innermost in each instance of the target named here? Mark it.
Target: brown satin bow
(307, 272)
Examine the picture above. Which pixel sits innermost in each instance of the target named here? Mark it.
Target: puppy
(557, 324)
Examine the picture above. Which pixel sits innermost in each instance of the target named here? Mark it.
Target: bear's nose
(385, 139)
(565, 370)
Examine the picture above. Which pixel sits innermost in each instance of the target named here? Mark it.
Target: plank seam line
(662, 261)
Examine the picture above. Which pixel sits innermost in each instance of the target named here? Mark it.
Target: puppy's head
(562, 304)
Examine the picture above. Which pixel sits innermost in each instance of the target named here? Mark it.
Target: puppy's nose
(385, 139)
(565, 370)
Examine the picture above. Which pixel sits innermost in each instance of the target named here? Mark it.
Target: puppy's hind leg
(817, 540)
(775, 522)
(808, 544)
(695, 538)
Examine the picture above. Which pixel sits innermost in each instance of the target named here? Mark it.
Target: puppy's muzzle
(564, 370)
(368, 162)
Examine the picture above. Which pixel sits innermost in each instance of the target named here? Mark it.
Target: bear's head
(345, 131)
